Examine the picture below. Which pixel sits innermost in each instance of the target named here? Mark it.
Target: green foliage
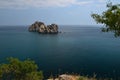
(110, 18)
(20, 70)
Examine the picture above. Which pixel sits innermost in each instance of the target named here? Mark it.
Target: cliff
(42, 28)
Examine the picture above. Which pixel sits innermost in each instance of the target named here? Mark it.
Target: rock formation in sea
(42, 28)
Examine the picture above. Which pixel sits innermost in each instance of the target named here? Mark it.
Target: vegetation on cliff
(15, 69)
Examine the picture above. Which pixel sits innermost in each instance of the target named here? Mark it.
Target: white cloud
(43, 3)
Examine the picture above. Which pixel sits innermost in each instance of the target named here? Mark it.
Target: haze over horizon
(61, 12)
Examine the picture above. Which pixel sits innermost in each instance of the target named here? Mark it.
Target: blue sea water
(83, 50)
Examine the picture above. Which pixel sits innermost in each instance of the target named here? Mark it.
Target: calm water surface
(79, 49)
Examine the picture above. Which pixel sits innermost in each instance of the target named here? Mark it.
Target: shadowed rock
(42, 28)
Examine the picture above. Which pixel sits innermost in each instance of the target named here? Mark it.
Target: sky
(61, 12)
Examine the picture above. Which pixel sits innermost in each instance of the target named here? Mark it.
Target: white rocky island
(43, 29)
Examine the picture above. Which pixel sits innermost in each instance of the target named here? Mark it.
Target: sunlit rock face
(42, 28)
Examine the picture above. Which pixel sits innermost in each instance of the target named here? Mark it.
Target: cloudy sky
(63, 12)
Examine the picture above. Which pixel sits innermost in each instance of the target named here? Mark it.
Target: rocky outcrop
(67, 77)
(42, 28)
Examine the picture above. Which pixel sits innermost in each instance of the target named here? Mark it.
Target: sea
(77, 49)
